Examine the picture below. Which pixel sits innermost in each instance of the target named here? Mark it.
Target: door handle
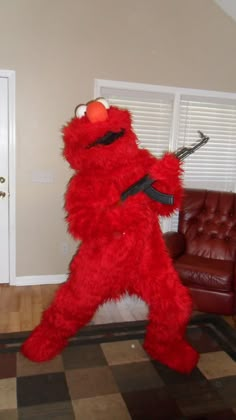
(2, 194)
(2, 179)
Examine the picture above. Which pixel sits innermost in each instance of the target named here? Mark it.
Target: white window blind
(213, 166)
(166, 118)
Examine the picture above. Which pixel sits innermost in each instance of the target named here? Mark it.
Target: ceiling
(228, 6)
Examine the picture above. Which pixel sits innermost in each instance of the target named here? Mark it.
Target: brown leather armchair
(204, 249)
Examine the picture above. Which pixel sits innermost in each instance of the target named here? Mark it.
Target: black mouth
(107, 139)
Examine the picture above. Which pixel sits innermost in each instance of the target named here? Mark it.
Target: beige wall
(58, 48)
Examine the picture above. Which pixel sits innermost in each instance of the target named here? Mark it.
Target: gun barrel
(186, 151)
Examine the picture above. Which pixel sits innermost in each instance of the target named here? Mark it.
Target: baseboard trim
(39, 280)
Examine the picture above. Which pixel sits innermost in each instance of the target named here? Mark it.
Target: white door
(4, 182)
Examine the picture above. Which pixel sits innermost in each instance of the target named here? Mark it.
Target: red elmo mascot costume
(122, 248)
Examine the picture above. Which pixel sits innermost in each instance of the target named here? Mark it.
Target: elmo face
(99, 137)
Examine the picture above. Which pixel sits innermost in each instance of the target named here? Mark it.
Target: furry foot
(42, 345)
(178, 355)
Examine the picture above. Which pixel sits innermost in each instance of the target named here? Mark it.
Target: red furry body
(122, 248)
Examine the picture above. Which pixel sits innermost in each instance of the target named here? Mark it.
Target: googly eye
(80, 111)
(104, 102)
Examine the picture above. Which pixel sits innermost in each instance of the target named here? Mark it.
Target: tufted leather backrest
(208, 221)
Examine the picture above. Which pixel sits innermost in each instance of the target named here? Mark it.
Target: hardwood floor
(21, 308)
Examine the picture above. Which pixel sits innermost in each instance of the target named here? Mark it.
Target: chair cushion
(206, 273)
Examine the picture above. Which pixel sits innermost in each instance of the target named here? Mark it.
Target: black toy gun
(145, 183)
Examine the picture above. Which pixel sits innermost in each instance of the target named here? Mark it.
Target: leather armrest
(175, 243)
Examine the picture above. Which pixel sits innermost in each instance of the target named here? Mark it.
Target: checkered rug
(104, 374)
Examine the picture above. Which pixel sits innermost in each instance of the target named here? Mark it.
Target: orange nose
(96, 112)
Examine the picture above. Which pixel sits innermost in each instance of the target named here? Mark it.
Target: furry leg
(66, 315)
(75, 303)
(170, 308)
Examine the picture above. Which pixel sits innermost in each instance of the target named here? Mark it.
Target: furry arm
(94, 209)
(167, 172)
